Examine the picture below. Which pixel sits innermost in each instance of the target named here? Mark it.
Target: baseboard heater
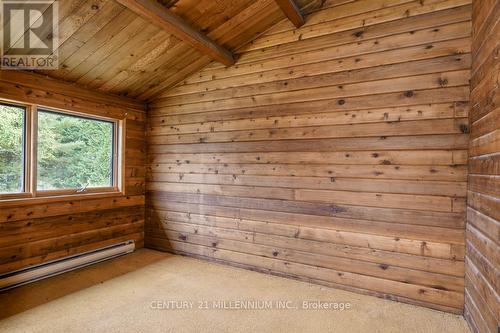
(55, 267)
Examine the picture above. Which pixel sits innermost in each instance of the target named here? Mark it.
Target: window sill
(27, 199)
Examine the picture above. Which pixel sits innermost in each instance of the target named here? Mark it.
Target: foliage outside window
(73, 152)
(47, 152)
(12, 129)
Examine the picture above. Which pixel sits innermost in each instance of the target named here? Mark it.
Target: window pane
(73, 152)
(11, 149)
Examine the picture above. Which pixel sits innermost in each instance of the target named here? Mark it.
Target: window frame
(30, 137)
(26, 145)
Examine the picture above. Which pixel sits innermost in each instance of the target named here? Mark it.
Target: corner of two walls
(37, 231)
(482, 262)
(335, 153)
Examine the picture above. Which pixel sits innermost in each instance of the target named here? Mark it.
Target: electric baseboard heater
(55, 267)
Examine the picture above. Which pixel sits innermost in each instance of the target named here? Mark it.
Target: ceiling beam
(159, 15)
(292, 11)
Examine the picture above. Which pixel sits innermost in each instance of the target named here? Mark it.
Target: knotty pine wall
(482, 285)
(335, 153)
(38, 230)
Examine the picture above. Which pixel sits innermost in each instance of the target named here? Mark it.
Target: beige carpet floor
(135, 293)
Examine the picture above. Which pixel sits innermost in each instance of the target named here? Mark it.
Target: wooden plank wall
(336, 153)
(40, 229)
(482, 265)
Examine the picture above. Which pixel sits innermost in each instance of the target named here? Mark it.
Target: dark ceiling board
(157, 14)
(292, 11)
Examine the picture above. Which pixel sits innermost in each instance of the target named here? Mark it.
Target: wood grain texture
(157, 14)
(482, 265)
(335, 153)
(108, 47)
(42, 229)
(289, 7)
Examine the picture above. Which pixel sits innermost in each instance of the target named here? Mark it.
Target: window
(12, 148)
(46, 152)
(73, 152)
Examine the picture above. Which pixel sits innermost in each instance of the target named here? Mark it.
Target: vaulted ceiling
(107, 47)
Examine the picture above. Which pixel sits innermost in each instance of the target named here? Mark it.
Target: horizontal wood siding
(335, 153)
(482, 264)
(43, 229)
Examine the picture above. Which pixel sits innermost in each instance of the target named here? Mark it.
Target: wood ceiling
(107, 47)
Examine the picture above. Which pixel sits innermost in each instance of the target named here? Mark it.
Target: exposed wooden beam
(292, 11)
(159, 15)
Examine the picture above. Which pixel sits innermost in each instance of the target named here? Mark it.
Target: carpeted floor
(135, 294)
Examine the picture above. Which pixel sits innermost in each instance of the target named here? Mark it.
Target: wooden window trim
(26, 191)
(28, 201)
(30, 193)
